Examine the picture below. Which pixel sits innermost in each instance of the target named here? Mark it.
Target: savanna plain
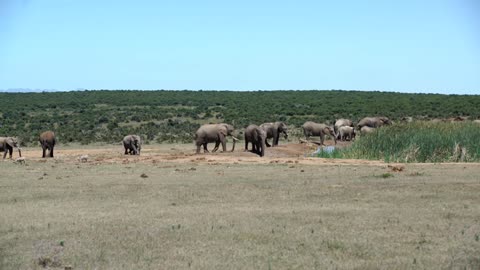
(171, 209)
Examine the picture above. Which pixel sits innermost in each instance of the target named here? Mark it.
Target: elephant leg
(205, 149)
(267, 144)
(51, 151)
(322, 138)
(224, 144)
(217, 144)
(10, 151)
(257, 148)
(43, 151)
(198, 148)
(246, 146)
(133, 149)
(5, 154)
(275, 139)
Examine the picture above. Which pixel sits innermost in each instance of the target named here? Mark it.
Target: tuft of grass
(416, 142)
(386, 175)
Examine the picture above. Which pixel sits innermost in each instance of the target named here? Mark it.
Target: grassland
(235, 211)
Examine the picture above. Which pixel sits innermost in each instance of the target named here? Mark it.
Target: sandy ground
(299, 153)
(107, 154)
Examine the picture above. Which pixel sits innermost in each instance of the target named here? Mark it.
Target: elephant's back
(366, 121)
(343, 122)
(308, 124)
(208, 133)
(48, 136)
(251, 131)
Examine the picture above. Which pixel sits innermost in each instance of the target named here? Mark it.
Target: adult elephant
(346, 132)
(374, 122)
(7, 144)
(315, 129)
(257, 136)
(274, 130)
(47, 141)
(132, 144)
(342, 122)
(216, 133)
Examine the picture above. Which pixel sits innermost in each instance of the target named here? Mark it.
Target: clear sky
(389, 45)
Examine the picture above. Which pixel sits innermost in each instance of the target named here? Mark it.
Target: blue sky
(406, 46)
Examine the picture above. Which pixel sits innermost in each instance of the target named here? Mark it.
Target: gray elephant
(346, 133)
(366, 130)
(47, 141)
(257, 136)
(315, 129)
(341, 123)
(216, 133)
(273, 131)
(374, 122)
(132, 144)
(7, 144)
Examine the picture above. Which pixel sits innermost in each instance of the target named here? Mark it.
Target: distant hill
(89, 116)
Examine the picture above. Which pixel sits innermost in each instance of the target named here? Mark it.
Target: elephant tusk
(235, 139)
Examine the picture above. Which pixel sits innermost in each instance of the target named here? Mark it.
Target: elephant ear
(11, 141)
(223, 132)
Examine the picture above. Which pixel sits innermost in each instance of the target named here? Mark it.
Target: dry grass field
(169, 209)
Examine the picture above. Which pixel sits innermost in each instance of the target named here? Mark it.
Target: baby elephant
(257, 136)
(132, 144)
(346, 133)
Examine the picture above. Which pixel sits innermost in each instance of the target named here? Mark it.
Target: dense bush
(90, 116)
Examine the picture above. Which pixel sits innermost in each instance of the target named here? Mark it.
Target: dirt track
(287, 153)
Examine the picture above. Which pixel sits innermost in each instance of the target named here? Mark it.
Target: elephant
(7, 144)
(365, 130)
(341, 123)
(132, 144)
(257, 136)
(346, 132)
(216, 133)
(315, 129)
(273, 130)
(47, 141)
(374, 122)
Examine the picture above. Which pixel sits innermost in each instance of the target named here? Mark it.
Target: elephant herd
(258, 136)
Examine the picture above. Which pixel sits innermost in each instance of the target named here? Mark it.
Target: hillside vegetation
(106, 116)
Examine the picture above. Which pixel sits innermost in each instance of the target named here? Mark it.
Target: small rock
(144, 175)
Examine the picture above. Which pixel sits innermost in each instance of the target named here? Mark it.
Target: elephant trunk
(19, 152)
(262, 152)
(234, 141)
